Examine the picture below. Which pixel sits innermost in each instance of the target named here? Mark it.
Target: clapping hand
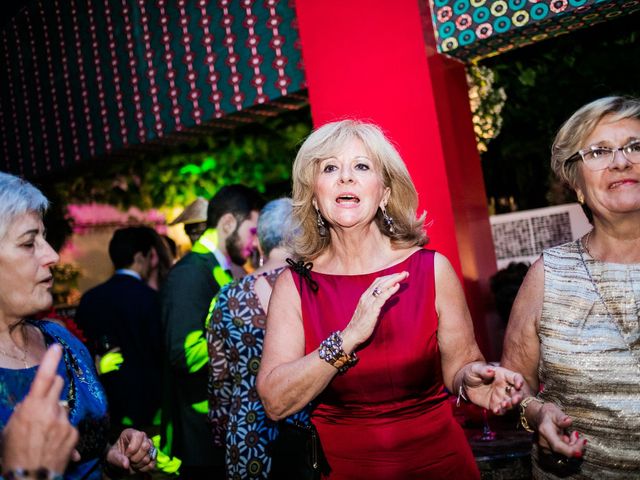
(365, 318)
(492, 387)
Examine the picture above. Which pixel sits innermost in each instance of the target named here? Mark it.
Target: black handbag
(297, 453)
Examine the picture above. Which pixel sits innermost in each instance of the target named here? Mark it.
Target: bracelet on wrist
(461, 395)
(331, 352)
(37, 474)
(462, 389)
(523, 408)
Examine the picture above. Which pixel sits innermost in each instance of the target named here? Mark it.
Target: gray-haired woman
(235, 336)
(25, 290)
(574, 326)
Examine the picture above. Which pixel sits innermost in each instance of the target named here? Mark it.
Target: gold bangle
(523, 408)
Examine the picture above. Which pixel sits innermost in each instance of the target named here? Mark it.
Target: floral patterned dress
(235, 336)
(87, 400)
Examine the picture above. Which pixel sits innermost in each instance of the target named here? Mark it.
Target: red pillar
(369, 59)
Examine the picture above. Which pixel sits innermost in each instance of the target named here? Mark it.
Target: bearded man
(192, 284)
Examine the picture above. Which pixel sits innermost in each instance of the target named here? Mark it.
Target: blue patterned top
(87, 401)
(235, 336)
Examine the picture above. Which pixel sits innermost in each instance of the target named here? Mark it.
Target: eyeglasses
(598, 158)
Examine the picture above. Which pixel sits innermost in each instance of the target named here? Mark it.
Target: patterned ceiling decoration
(473, 29)
(88, 79)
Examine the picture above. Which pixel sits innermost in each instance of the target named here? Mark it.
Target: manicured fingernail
(585, 441)
(490, 370)
(577, 454)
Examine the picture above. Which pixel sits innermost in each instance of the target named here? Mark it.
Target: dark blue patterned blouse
(87, 401)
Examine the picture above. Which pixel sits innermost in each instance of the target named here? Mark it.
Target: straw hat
(195, 212)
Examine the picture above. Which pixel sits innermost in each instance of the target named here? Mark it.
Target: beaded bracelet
(523, 408)
(38, 474)
(331, 352)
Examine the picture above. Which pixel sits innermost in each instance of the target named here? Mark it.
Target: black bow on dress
(304, 271)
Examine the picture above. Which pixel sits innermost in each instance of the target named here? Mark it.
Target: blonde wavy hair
(326, 142)
(580, 125)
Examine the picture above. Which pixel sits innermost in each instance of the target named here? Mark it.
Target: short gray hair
(17, 197)
(274, 224)
(580, 125)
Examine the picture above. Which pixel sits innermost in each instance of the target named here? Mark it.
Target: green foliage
(486, 104)
(527, 76)
(258, 155)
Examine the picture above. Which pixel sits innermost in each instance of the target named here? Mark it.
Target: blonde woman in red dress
(376, 331)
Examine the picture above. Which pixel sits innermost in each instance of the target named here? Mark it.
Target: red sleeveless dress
(388, 417)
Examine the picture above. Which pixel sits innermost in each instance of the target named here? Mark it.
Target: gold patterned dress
(590, 361)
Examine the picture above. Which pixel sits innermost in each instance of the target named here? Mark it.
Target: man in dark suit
(122, 316)
(193, 282)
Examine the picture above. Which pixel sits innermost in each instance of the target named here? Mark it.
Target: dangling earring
(261, 261)
(388, 222)
(322, 228)
(580, 197)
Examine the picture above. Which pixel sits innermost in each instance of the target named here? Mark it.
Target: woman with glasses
(574, 327)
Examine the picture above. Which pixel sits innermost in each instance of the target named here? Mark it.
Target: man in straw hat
(194, 218)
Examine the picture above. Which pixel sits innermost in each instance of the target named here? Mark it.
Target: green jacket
(186, 298)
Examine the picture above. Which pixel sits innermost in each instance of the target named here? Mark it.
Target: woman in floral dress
(235, 334)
